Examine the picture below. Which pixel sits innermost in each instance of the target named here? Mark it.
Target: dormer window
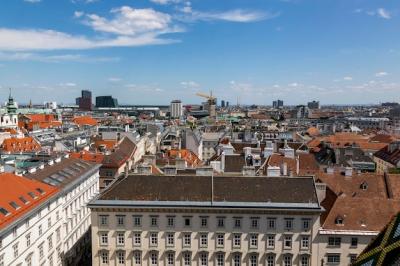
(25, 201)
(339, 220)
(41, 191)
(364, 186)
(14, 205)
(4, 211)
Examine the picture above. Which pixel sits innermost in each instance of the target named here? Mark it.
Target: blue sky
(153, 51)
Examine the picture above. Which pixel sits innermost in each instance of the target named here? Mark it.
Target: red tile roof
(84, 121)
(88, 156)
(17, 189)
(27, 144)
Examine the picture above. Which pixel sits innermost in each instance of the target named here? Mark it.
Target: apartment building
(205, 220)
(43, 215)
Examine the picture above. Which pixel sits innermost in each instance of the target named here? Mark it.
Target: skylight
(4, 211)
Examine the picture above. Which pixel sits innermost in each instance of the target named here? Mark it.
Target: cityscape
(199, 133)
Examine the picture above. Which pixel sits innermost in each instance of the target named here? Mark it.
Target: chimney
(284, 169)
(223, 162)
(149, 159)
(144, 169)
(273, 171)
(180, 163)
(247, 151)
(348, 172)
(321, 191)
(170, 170)
(269, 149)
(204, 171)
(297, 165)
(249, 171)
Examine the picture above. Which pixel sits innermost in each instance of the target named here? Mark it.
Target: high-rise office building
(106, 102)
(277, 104)
(222, 103)
(176, 109)
(313, 105)
(85, 101)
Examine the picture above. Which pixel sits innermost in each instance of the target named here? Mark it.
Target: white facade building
(176, 109)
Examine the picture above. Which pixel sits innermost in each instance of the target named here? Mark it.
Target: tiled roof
(124, 152)
(84, 121)
(363, 214)
(19, 195)
(88, 156)
(388, 156)
(64, 172)
(26, 144)
(226, 189)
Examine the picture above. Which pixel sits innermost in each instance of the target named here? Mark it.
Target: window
(103, 220)
(333, 258)
(204, 221)
(288, 223)
(120, 220)
(334, 241)
(120, 239)
(203, 259)
(305, 261)
(339, 220)
(187, 240)
(2, 260)
(28, 261)
(253, 241)
(305, 243)
(237, 259)
(220, 222)
(14, 205)
(104, 238)
(354, 242)
(237, 223)
(306, 224)
(220, 240)
(203, 240)
(49, 222)
(137, 258)
(153, 221)
(254, 222)
(58, 234)
(28, 240)
(253, 260)
(153, 259)
(353, 258)
(271, 241)
(104, 257)
(41, 252)
(4, 212)
(270, 260)
(121, 257)
(187, 221)
(271, 223)
(287, 260)
(170, 259)
(288, 242)
(15, 232)
(237, 240)
(15, 249)
(137, 239)
(50, 241)
(187, 259)
(170, 239)
(137, 221)
(220, 259)
(153, 239)
(170, 221)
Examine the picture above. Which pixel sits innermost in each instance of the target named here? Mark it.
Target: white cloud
(165, 2)
(40, 57)
(383, 13)
(348, 78)
(78, 14)
(381, 74)
(114, 79)
(67, 84)
(32, 1)
(236, 15)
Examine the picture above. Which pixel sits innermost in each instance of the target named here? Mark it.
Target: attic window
(339, 220)
(364, 186)
(14, 205)
(4, 211)
(25, 201)
(41, 191)
(32, 195)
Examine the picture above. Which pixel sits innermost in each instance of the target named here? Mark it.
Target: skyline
(153, 51)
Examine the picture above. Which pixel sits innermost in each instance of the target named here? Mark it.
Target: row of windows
(237, 222)
(203, 241)
(220, 259)
(336, 242)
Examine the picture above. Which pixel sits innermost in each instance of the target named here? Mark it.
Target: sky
(244, 51)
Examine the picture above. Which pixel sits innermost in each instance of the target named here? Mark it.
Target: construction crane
(211, 101)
